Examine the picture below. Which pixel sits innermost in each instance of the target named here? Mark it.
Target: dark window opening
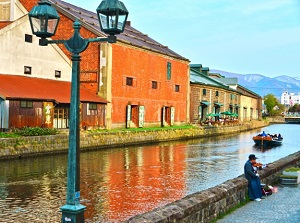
(129, 81)
(177, 88)
(217, 93)
(204, 91)
(58, 74)
(27, 70)
(154, 84)
(28, 38)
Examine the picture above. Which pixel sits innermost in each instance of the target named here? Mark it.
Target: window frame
(26, 104)
(93, 106)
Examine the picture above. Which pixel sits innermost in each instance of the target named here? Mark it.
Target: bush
(35, 131)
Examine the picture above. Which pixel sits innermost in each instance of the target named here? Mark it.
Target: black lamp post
(44, 20)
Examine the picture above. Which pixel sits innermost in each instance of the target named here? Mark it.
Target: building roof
(130, 35)
(198, 78)
(229, 81)
(3, 24)
(30, 88)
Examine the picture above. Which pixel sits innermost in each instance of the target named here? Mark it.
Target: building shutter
(172, 115)
(141, 116)
(128, 116)
(163, 115)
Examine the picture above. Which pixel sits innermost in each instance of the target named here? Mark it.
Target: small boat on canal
(267, 140)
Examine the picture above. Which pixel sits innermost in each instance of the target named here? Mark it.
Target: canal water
(119, 183)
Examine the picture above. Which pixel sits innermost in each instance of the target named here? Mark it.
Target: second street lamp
(44, 20)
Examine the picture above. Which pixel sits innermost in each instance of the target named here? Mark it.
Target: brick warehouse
(145, 82)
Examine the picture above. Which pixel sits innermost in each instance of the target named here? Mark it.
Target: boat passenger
(263, 133)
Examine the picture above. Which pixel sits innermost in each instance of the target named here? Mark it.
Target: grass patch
(288, 177)
(28, 131)
(292, 169)
(8, 135)
(145, 129)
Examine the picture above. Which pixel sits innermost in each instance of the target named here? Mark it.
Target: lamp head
(112, 15)
(43, 20)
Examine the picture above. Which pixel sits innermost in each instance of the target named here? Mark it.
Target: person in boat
(254, 185)
(279, 136)
(263, 134)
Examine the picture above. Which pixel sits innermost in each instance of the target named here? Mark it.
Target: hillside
(263, 85)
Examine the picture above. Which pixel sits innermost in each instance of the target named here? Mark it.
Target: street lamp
(112, 15)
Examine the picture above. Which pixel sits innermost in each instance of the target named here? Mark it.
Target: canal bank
(205, 206)
(91, 140)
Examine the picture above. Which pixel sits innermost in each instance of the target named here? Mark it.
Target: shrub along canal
(122, 182)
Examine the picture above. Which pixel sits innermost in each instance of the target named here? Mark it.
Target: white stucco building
(289, 99)
(20, 52)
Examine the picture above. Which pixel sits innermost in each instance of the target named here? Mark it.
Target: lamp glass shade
(112, 15)
(43, 20)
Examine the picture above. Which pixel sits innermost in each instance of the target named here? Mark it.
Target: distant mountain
(263, 85)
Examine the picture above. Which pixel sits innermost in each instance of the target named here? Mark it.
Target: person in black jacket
(254, 186)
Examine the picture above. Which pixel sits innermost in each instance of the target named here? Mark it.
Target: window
(27, 70)
(129, 81)
(26, 104)
(58, 74)
(217, 93)
(204, 91)
(154, 84)
(169, 68)
(177, 88)
(28, 38)
(92, 106)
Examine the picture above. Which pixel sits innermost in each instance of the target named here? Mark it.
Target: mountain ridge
(263, 85)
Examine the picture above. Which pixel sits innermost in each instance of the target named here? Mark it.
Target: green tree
(272, 105)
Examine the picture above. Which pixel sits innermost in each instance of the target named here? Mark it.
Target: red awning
(31, 88)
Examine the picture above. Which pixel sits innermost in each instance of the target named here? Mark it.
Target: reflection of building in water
(142, 179)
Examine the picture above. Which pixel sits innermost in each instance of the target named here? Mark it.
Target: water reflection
(119, 183)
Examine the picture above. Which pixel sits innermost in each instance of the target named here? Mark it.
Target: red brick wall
(145, 67)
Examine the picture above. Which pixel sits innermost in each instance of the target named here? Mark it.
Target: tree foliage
(272, 105)
(294, 108)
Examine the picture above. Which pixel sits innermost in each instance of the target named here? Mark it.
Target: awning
(218, 104)
(237, 106)
(30, 88)
(206, 103)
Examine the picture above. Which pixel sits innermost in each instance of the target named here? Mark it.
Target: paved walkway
(280, 207)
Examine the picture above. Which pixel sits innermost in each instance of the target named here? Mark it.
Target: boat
(267, 140)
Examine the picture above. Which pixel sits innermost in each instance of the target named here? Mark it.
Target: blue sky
(239, 36)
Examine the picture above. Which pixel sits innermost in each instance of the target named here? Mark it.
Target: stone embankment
(29, 146)
(207, 205)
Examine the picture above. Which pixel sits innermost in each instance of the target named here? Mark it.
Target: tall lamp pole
(112, 15)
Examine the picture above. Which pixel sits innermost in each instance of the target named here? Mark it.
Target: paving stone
(279, 207)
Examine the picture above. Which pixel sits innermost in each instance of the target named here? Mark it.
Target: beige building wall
(16, 53)
(249, 109)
